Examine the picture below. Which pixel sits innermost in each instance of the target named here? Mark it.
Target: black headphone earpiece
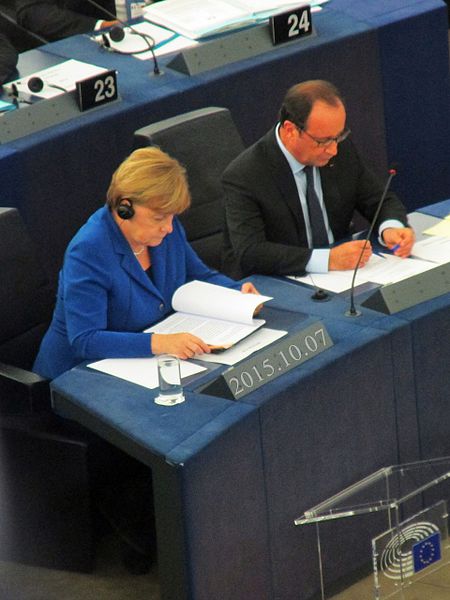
(125, 210)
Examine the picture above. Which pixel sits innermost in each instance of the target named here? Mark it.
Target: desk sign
(236, 382)
(97, 90)
(290, 25)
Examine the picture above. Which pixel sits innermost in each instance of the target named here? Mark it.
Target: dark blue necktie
(318, 230)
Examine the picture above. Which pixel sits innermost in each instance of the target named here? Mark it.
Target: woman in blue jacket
(122, 268)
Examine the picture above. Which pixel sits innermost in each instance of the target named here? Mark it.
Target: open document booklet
(200, 301)
(220, 316)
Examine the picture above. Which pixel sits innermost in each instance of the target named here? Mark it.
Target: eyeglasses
(325, 142)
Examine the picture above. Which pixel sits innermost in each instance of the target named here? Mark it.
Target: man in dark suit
(8, 59)
(291, 196)
(57, 19)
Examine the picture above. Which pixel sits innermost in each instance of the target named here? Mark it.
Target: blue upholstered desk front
(230, 477)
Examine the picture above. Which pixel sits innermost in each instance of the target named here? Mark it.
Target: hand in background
(345, 256)
(249, 288)
(106, 24)
(401, 238)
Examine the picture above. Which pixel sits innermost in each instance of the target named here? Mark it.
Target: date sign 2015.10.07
(252, 373)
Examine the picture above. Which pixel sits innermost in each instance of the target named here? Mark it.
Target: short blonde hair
(152, 178)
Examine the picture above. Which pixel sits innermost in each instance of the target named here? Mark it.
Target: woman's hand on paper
(249, 288)
(183, 345)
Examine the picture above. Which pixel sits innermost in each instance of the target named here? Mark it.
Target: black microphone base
(353, 312)
(156, 74)
(320, 296)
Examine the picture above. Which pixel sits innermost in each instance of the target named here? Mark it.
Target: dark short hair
(300, 98)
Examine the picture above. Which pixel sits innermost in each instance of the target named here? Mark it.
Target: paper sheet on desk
(64, 75)
(441, 229)
(433, 248)
(165, 41)
(142, 371)
(339, 281)
(260, 339)
(381, 269)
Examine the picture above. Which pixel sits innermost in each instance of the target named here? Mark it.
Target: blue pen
(396, 247)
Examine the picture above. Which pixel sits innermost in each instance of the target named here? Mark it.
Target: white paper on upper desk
(433, 248)
(260, 339)
(65, 75)
(441, 229)
(142, 371)
(217, 302)
(196, 18)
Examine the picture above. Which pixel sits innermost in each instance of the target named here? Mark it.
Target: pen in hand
(394, 248)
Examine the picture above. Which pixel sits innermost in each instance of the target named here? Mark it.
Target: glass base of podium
(412, 544)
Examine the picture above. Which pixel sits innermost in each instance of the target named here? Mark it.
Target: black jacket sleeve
(54, 20)
(8, 59)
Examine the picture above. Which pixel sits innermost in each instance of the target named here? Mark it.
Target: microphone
(117, 34)
(36, 36)
(36, 85)
(352, 311)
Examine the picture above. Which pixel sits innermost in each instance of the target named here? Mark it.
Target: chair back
(26, 297)
(204, 141)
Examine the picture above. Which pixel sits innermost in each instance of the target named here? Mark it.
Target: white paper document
(142, 371)
(433, 248)
(199, 18)
(132, 42)
(219, 316)
(382, 269)
(441, 229)
(260, 339)
(64, 75)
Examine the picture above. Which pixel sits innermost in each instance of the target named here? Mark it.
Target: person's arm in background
(52, 22)
(8, 59)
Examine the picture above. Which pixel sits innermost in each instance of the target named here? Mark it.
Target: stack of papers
(199, 18)
(384, 268)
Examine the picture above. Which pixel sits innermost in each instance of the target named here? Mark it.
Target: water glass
(169, 378)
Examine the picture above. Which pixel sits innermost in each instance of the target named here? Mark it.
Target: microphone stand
(352, 311)
(116, 38)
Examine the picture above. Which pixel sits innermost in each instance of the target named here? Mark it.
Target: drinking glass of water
(169, 378)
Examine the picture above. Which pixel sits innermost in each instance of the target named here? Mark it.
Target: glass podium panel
(412, 542)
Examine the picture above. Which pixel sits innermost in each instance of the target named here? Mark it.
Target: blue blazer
(105, 299)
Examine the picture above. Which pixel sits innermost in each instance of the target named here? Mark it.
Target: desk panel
(239, 473)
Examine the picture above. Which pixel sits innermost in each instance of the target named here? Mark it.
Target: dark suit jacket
(265, 230)
(8, 59)
(57, 19)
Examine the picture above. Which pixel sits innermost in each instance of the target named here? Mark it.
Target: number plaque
(97, 90)
(291, 25)
(252, 373)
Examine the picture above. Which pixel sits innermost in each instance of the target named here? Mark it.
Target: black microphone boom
(116, 36)
(352, 312)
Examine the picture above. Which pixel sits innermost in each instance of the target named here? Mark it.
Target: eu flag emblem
(427, 551)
